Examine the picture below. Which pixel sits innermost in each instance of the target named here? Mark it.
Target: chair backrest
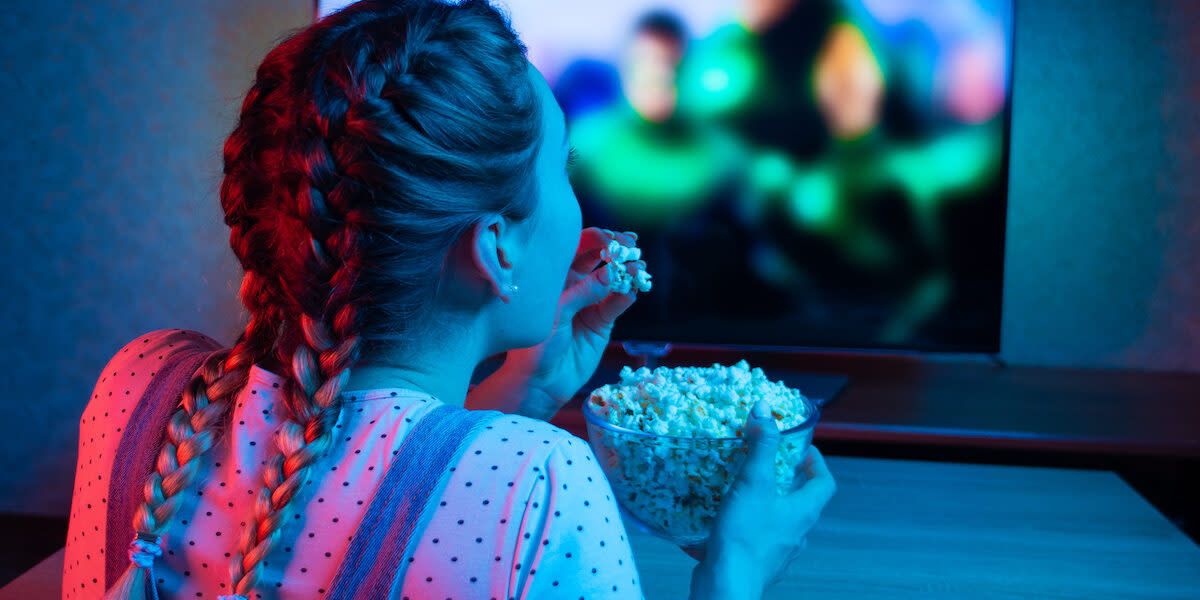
(42, 581)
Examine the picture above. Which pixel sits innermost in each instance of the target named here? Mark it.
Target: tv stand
(648, 352)
(965, 402)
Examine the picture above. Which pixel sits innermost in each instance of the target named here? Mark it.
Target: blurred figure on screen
(845, 178)
(652, 59)
(750, 75)
(785, 168)
(848, 83)
(644, 165)
(880, 198)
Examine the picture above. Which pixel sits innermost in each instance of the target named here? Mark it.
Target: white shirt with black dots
(527, 512)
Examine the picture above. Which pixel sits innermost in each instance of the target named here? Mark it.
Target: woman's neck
(443, 372)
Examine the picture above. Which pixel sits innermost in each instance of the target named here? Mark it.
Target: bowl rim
(591, 417)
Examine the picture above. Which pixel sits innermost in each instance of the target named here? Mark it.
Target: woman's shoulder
(128, 372)
(538, 435)
(155, 346)
(120, 385)
(521, 449)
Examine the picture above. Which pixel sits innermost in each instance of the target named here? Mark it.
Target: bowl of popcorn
(670, 441)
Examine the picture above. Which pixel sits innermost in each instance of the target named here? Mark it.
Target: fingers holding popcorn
(627, 238)
(603, 316)
(819, 476)
(590, 289)
(603, 245)
(592, 242)
(592, 304)
(623, 278)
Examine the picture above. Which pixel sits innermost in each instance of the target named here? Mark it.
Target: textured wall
(115, 115)
(116, 111)
(1171, 338)
(1104, 201)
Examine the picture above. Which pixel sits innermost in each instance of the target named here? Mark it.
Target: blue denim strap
(404, 502)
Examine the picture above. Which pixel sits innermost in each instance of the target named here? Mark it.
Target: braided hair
(367, 144)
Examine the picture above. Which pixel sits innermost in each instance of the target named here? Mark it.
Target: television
(802, 174)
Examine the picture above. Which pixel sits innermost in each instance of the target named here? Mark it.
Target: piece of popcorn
(615, 252)
(642, 281)
(620, 280)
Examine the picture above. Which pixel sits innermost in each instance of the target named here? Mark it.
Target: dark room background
(115, 113)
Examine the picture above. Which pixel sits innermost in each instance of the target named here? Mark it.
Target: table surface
(912, 529)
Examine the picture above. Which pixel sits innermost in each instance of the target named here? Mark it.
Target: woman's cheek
(577, 226)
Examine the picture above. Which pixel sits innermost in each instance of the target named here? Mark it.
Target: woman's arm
(537, 381)
(721, 578)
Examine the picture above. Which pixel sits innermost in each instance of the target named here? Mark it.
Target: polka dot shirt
(527, 512)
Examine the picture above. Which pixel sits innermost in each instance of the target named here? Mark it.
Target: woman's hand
(587, 311)
(758, 532)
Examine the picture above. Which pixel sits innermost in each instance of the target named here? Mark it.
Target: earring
(510, 290)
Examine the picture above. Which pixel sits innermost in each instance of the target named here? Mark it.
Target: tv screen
(800, 173)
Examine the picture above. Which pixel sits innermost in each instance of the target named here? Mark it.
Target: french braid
(194, 427)
(320, 367)
(367, 145)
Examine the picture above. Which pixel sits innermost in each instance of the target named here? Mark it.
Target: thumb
(762, 442)
(589, 290)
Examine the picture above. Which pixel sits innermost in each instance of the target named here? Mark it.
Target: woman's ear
(493, 247)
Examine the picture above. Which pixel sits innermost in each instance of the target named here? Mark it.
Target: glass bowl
(672, 487)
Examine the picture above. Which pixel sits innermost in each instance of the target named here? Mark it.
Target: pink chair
(42, 582)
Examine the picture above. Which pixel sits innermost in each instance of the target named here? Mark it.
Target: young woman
(397, 193)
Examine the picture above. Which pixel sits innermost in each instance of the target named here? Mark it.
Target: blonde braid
(192, 430)
(368, 144)
(299, 444)
(320, 367)
(190, 433)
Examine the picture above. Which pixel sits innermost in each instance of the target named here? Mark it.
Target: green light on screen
(956, 162)
(771, 172)
(814, 201)
(721, 74)
(715, 80)
(641, 178)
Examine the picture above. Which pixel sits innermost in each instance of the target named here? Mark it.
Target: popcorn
(642, 281)
(620, 280)
(616, 252)
(676, 485)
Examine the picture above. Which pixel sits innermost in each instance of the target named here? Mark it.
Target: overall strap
(138, 450)
(404, 502)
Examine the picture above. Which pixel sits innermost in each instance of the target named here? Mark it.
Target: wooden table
(911, 529)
